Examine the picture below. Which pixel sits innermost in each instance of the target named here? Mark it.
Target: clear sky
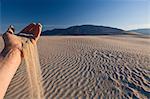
(124, 14)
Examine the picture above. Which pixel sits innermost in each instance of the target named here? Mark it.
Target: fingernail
(39, 24)
(11, 26)
(11, 29)
(33, 23)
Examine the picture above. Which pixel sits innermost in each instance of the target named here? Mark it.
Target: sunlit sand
(89, 66)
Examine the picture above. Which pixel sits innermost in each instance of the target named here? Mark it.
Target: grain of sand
(89, 67)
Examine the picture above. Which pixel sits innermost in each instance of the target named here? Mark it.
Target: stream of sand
(31, 59)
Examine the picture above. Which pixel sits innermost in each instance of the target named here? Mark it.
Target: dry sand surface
(89, 67)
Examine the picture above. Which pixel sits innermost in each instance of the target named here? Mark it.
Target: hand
(14, 41)
(10, 57)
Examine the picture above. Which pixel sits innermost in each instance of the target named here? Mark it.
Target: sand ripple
(90, 67)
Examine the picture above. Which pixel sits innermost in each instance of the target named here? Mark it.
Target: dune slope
(91, 67)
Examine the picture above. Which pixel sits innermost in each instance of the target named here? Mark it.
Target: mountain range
(85, 30)
(145, 31)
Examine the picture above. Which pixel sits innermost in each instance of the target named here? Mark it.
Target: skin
(11, 55)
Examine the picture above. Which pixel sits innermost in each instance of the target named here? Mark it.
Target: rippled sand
(89, 67)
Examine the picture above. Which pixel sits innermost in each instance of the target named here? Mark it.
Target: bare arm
(10, 57)
(10, 60)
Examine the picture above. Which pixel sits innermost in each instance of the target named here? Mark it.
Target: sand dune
(89, 67)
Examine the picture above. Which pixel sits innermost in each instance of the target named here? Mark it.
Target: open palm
(32, 31)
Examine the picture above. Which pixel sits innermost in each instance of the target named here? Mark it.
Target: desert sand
(89, 67)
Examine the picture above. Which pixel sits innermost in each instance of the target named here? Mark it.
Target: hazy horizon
(122, 14)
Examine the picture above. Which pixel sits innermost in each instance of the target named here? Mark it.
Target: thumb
(6, 36)
(11, 29)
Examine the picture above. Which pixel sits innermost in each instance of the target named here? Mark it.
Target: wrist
(10, 57)
(10, 50)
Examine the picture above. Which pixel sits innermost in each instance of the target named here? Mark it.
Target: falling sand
(31, 60)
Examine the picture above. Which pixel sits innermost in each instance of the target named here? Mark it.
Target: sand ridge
(90, 67)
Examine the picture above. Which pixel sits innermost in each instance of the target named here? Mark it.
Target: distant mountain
(85, 30)
(145, 31)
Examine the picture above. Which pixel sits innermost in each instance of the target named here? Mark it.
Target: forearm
(9, 62)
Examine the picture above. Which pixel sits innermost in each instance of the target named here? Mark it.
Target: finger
(11, 29)
(37, 32)
(8, 34)
(29, 28)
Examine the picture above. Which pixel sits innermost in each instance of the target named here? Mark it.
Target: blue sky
(124, 14)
